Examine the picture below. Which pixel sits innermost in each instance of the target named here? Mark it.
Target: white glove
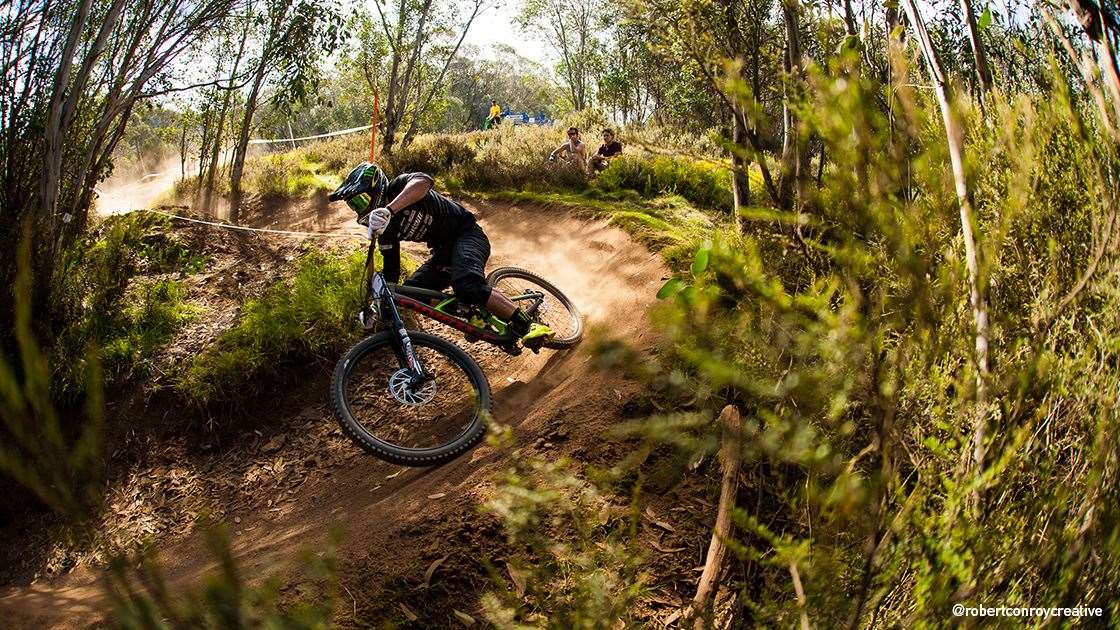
(378, 220)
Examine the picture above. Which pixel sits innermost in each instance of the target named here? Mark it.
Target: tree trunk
(216, 147)
(791, 141)
(237, 168)
(850, 18)
(396, 40)
(740, 179)
(976, 286)
(424, 103)
(392, 124)
(183, 152)
(63, 107)
(731, 458)
(978, 55)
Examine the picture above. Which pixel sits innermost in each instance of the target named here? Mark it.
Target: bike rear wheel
(555, 310)
(410, 425)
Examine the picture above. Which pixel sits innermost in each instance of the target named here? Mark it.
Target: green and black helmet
(363, 190)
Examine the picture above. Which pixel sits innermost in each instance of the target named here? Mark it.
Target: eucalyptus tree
(624, 88)
(571, 28)
(404, 50)
(750, 53)
(291, 37)
(72, 73)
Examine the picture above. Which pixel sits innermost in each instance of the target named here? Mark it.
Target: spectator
(609, 148)
(495, 117)
(574, 150)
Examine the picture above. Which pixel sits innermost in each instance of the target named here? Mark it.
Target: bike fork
(406, 353)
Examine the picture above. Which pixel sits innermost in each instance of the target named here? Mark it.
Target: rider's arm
(418, 185)
(558, 149)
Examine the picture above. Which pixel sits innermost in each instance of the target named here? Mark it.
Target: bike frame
(389, 297)
(461, 325)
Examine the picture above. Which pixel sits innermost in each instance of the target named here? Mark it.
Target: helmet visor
(359, 203)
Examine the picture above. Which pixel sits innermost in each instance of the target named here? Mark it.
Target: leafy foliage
(296, 319)
(122, 298)
(852, 361)
(60, 463)
(575, 569)
(706, 185)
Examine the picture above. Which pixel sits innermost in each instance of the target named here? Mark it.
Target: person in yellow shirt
(495, 117)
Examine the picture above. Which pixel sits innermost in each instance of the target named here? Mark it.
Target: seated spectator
(574, 150)
(609, 148)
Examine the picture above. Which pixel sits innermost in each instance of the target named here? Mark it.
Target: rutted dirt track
(557, 403)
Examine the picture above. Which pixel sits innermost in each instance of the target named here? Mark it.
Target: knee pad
(471, 290)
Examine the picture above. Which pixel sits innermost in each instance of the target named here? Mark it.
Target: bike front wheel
(542, 301)
(410, 424)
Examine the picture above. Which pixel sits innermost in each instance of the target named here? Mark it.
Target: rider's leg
(434, 274)
(468, 267)
(468, 274)
(468, 279)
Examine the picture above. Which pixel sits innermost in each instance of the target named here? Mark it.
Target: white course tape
(340, 132)
(230, 226)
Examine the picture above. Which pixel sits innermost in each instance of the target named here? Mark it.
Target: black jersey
(435, 220)
(610, 150)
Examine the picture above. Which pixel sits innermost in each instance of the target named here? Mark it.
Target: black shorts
(464, 261)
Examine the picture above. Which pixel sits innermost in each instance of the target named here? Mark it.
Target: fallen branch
(732, 425)
(799, 590)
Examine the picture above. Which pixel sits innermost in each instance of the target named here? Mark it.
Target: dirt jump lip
(555, 403)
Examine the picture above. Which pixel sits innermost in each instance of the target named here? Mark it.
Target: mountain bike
(416, 399)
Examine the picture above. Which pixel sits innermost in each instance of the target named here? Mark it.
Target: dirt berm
(396, 521)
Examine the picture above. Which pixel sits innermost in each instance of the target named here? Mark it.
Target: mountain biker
(607, 150)
(575, 149)
(415, 212)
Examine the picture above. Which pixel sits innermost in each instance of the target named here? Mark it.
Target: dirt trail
(556, 402)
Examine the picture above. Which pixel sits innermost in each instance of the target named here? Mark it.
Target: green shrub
(111, 303)
(436, 154)
(59, 457)
(704, 183)
(573, 561)
(290, 175)
(297, 318)
(149, 315)
(853, 360)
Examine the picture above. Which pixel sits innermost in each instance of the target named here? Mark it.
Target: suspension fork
(388, 311)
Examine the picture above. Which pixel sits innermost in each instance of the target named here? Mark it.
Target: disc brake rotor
(400, 387)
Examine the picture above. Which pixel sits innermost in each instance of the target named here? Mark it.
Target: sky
(496, 26)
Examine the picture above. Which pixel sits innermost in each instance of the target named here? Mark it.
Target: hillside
(286, 476)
